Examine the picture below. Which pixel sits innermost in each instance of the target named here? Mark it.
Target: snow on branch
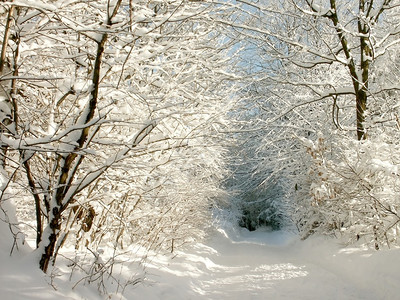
(91, 176)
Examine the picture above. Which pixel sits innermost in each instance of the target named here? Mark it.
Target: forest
(128, 124)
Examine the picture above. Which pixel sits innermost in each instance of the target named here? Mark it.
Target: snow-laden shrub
(351, 190)
(118, 141)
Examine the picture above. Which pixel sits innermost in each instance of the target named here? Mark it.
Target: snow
(232, 264)
(20, 278)
(276, 265)
(35, 4)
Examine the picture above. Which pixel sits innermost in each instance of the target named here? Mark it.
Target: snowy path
(273, 265)
(244, 265)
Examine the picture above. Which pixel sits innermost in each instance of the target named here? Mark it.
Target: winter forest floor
(231, 264)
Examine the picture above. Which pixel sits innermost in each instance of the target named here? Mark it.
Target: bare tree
(297, 40)
(319, 72)
(115, 99)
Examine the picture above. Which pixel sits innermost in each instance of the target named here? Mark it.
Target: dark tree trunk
(67, 169)
(361, 106)
(54, 226)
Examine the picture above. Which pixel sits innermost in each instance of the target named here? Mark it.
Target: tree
(109, 98)
(310, 63)
(298, 38)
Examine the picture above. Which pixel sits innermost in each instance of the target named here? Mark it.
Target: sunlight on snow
(282, 271)
(259, 278)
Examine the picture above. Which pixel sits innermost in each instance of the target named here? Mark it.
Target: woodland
(130, 122)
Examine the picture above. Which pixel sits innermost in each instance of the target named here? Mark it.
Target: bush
(351, 190)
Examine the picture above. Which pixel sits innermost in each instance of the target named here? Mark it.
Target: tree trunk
(360, 83)
(361, 106)
(51, 233)
(365, 56)
(67, 171)
(5, 38)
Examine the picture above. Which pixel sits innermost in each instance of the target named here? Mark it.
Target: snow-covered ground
(231, 264)
(275, 265)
